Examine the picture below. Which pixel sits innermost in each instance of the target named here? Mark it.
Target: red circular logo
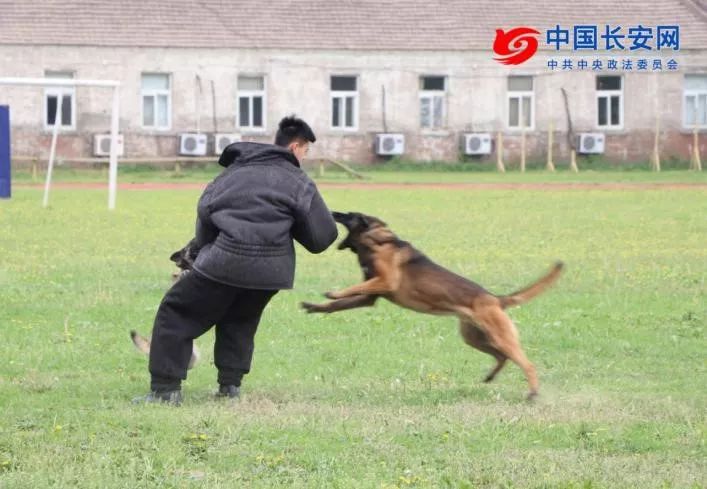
(515, 46)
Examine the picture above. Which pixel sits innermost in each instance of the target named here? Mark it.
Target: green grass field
(377, 398)
(405, 173)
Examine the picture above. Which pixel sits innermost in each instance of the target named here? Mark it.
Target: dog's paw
(331, 295)
(309, 307)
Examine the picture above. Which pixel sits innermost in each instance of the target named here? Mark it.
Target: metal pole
(522, 143)
(499, 153)
(197, 102)
(113, 161)
(550, 164)
(52, 151)
(67, 82)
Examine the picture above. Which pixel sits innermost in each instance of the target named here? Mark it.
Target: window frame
(608, 94)
(155, 93)
(696, 93)
(59, 92)
(520, 94)
(343, 95)
(432, 95)
(250, 94)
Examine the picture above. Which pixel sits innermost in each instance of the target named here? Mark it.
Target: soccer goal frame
(114, 123)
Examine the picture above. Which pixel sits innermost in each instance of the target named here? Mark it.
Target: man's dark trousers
(189, 309)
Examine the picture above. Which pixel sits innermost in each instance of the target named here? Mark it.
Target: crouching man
(247, 219)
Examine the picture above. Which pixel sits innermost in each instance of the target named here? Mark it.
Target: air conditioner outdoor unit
(222, 140)
(590, 142)
(477, 143)
(192, 144)
(390, 144)
(101, 145)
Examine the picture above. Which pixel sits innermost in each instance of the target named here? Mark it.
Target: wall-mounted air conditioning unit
(192, 144)
(479, 143)
(590, 142)
(222, 140)
(101, 145)
(390, 144)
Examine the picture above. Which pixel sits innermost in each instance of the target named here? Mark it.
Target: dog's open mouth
(344, 218)
(341, 217)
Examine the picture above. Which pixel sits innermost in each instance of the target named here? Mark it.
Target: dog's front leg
(374, 286)
(341, 304)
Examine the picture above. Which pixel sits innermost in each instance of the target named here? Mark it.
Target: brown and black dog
(396, 271)
(184, 259)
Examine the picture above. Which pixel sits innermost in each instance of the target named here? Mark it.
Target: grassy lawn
(378, 398)
(409, 173)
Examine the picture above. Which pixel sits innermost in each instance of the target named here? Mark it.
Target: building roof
(325, 24)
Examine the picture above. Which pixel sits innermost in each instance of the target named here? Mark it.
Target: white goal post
(114, 122)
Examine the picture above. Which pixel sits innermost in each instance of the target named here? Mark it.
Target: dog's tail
(143, 346)
(529, 292)
(141, 343)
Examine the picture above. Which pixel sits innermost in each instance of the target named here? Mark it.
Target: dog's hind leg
(475, 337)
(516, 355)
(503, 336)
(500, 362)
(341, 304)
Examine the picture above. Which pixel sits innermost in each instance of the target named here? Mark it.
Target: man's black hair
(291, 128)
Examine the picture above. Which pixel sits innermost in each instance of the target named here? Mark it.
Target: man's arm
(314, 228)
(205, 232)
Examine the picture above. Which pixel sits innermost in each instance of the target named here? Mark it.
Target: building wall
(298, 82)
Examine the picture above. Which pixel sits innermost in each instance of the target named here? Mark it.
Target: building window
(521, 102)
(344, 102)
(156, 101)
(251, 102)
(432, 102)
(68, 102)
(695, 101)
(610, 102)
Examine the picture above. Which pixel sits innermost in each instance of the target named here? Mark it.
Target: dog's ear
(176, 256)
(381, 235)
(368, 222)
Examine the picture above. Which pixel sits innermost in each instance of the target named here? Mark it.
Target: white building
(238, 67)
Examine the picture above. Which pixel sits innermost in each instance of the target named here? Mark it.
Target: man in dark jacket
(247, 218)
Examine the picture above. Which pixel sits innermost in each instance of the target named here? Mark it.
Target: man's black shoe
(229, 391)
(168, 397)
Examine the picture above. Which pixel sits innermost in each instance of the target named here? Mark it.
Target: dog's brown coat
(395, 270)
